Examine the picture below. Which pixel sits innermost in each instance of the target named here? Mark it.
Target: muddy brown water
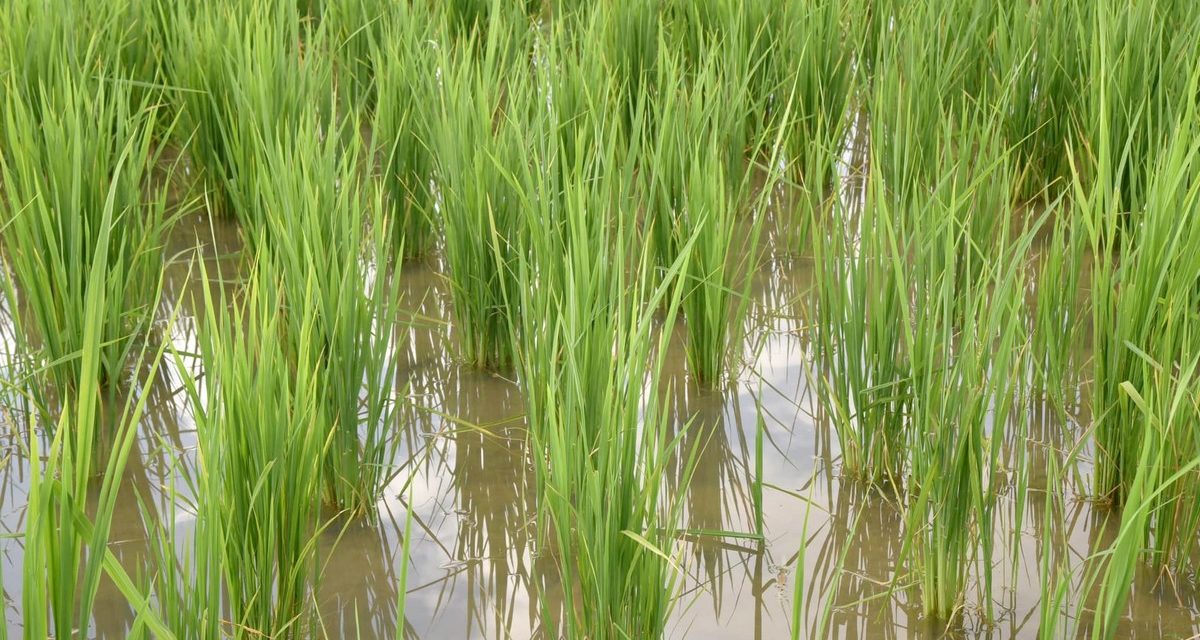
(473, 563)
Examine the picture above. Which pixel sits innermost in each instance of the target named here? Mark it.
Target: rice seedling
(405, 64)
(1139, 64)
(319, 228)
(1164, 481)
(77, 224)
(243, 77)
(251, 557)
(1057, 314)
(483, 103)
(700, 182)
(811, 76)
(1143, 304)
(588, 362)
(356, 30)
(860, 372)
(965, 338)
(66, 549)
(111, 39)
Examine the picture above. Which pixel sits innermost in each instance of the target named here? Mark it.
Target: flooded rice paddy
(463, 467)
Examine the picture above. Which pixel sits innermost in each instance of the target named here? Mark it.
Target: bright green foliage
(78, 223)
(260, 423)
(65, 543)
(478, 137)
(405, 62)
(1144, 305)
(244, 77)
(318, 230)
(357, 28)
(589, 364)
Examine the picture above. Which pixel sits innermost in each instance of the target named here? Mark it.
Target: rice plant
(1142, 305)
(964, 385)
(66, 546)
(631, 37)
(700, 182)
(861, 365)
(405, 61)
(77, 224)
(811, 76)
(1058, 314)
(243, 77)
(320, 228)
(588, 361)
(1159, 508)
(483, 103)
(1139, 64)
(250, 567)
(356, 29)
(111, 39)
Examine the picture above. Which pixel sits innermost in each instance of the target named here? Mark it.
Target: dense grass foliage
(256, 490)
(999, 202)
(405, 61)
(81, 235)
(319, 228)
(243, 76)
(479, 136)
(589, 360)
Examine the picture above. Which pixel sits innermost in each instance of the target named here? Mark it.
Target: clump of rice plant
(1057, 314)
(932, 64)
(243, 77)
(963, 334)
(249, 565)
(356, 29)
(405, 62)
(1159, 521)
(687, 121)
(111, 39)
(78, 222)
(1143, 305)
(720, 267)
(966, 357)
(65, 548)
(1139, 63)
(861, 361)
(483, 104)
(809, 72)
(320, 230)
(630, 37)
(589, 363)
(698, 180)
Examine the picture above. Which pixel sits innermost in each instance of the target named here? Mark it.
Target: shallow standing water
(464, 469)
